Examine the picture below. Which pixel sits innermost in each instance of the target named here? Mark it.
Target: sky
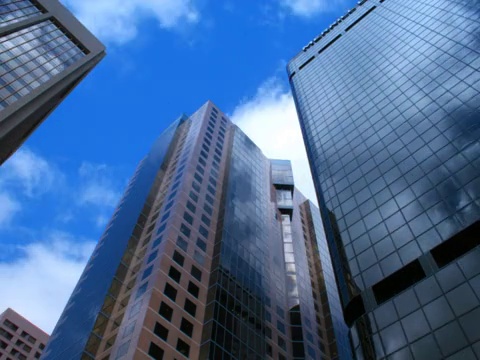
(165, 58)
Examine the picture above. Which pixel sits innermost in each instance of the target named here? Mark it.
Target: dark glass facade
(211, 254)
(324, 275)
(44, 53)
(77, 333)
(388, 100)
(15, 11)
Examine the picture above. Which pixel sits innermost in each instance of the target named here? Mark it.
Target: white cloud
(97, 186)
(309, 8)
(101, 221)
(8, 208)
(117, 21)
(270, 120)
(27, 178)
(29, 172)
(39, 283)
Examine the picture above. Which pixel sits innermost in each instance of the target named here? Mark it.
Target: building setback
(388, 100)
(44, 53)
(211, 254)
(19, 338)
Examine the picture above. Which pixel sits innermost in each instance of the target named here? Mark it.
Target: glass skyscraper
(44, 53)
(211, 254)
(388, 100)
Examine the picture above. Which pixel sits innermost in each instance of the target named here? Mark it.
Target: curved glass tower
(388, 99)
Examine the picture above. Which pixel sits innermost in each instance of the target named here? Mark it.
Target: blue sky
(165, 57)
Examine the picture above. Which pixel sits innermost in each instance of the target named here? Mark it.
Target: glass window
(199, 257)
(183, 348)
(196, 273)
(161, 331)
(198, 178)
(147, 272)
(191, 207)
(462, 299)
(169, 205)
(182, 244)
(426, 348)
(196, 186)
(135, 309)
(185, 230)
(212, 181)
(155, 352)
(161, 228)
(209, 199)
(203, 231)
(123, 350)
(208, 209)
(206, 220)
(157, 242)
(193, 289)
(415, 326)
(141, 290)
(170, 291)
(190, 307)
(174, 274)
(450, 338)
(211, 190)
(188, 218)
(393, 338)
(179, 259)
(186, 327)
(172, 195)
(201, 244)
(165, 311)
(152, 256)
(193, 196)
(10, 325)
(129, 329)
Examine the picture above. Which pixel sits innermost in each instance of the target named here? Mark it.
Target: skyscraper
(44, 53)
(211, 254)
(388, 100)
(19, 338)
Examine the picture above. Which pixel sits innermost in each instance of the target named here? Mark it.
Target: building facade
(44, 53)
(388, 100)
(211, 254)
(19, 338)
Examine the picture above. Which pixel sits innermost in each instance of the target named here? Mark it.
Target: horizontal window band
(412, 273)
(457, 245)
(306, 63)
(359, 19)
(330, 43)
(399, 281)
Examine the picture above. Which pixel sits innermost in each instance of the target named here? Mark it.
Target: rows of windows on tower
(211, 253)
(392, 135)
(44, 54)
